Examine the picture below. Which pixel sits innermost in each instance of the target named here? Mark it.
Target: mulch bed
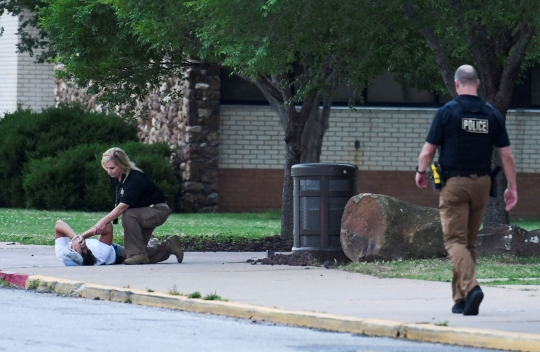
(270, 245)
(231, 244)
(296, 259)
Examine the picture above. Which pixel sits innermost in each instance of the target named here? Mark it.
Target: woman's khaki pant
(462, 203)
(138, 224)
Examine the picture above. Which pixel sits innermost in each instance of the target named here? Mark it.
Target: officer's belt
(461, 173)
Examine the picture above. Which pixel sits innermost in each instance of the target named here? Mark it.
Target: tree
(296, 52)
(497, 37)
(326, 42)
(101, 52)
(31, 36)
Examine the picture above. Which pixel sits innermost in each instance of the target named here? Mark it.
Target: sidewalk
(308, 296)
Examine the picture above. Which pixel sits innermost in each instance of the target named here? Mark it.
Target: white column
(8, 64)
(22, 81)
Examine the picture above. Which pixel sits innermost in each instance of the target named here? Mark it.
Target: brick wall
(21, 80)
(261, 190)
(250, 189)
(252, 152)
(390, 139)
(35, 85)
(253, 138)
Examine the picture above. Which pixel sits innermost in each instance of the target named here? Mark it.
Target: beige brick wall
(35, 84)
(22, 81)
(250, 138)
(390, 139)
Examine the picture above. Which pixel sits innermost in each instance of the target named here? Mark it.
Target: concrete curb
(481, 338)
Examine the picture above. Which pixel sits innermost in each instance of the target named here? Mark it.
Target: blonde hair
(119, 158)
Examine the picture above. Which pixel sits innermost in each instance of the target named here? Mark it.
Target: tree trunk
(313, 135)
(379, 227)
(293, 152)
(508, 240)
(497, 59)
(294, 124)
(495, 211)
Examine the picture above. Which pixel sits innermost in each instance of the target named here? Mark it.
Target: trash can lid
(324, 169)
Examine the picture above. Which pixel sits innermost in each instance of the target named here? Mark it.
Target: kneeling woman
(142, 207)
(73, 249)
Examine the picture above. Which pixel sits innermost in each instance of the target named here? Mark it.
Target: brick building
(22, 81)
(382, 138)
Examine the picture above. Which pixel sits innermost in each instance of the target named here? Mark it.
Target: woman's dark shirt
(136, 190)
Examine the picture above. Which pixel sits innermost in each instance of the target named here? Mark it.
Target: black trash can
(321, 191)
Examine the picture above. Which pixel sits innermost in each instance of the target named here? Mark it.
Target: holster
(492, 175)
(435, 175)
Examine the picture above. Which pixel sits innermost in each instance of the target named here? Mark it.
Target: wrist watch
(420, 172)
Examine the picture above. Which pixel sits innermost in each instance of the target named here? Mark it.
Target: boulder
(379, 227)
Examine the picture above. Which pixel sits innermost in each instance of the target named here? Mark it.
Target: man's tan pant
(138, 224)
(462, 203)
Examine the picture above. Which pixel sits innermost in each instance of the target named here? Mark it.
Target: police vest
(473, 130)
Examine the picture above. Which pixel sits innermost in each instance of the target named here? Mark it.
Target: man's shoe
(176, 248)
(137, 259)
(473, 300)
(458, 307)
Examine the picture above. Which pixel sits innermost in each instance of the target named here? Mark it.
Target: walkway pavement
(315, 297)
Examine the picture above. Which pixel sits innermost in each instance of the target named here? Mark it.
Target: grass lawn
(491, 270)
(37, 226)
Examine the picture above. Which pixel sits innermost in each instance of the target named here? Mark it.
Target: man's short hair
(466, 75)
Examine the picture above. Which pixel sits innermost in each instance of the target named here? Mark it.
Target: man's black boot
(473, 300)
(458, 307)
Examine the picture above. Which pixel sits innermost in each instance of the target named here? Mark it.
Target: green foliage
(213, 297)
(497, 37)
(195, 294)
(512, 270)
(52, 159)
(26, 135)
(29, 226)
(30, 39)
(75, 180)
(34, 284)
(102, 52)
(71, 180)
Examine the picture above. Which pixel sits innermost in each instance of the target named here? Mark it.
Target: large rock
(379, 227)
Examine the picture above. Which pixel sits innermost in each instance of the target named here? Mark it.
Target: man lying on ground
(73, 249)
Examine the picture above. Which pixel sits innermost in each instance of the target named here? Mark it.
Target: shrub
(75, 180)
(52, 159)
(26, 135)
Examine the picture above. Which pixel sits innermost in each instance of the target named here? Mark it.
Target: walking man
(465, 131)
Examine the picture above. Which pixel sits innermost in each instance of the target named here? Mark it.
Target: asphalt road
(31, 321)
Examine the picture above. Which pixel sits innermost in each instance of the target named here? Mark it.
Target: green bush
(27, 135)
(75, 179)
(52, 160)
(71, 180)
